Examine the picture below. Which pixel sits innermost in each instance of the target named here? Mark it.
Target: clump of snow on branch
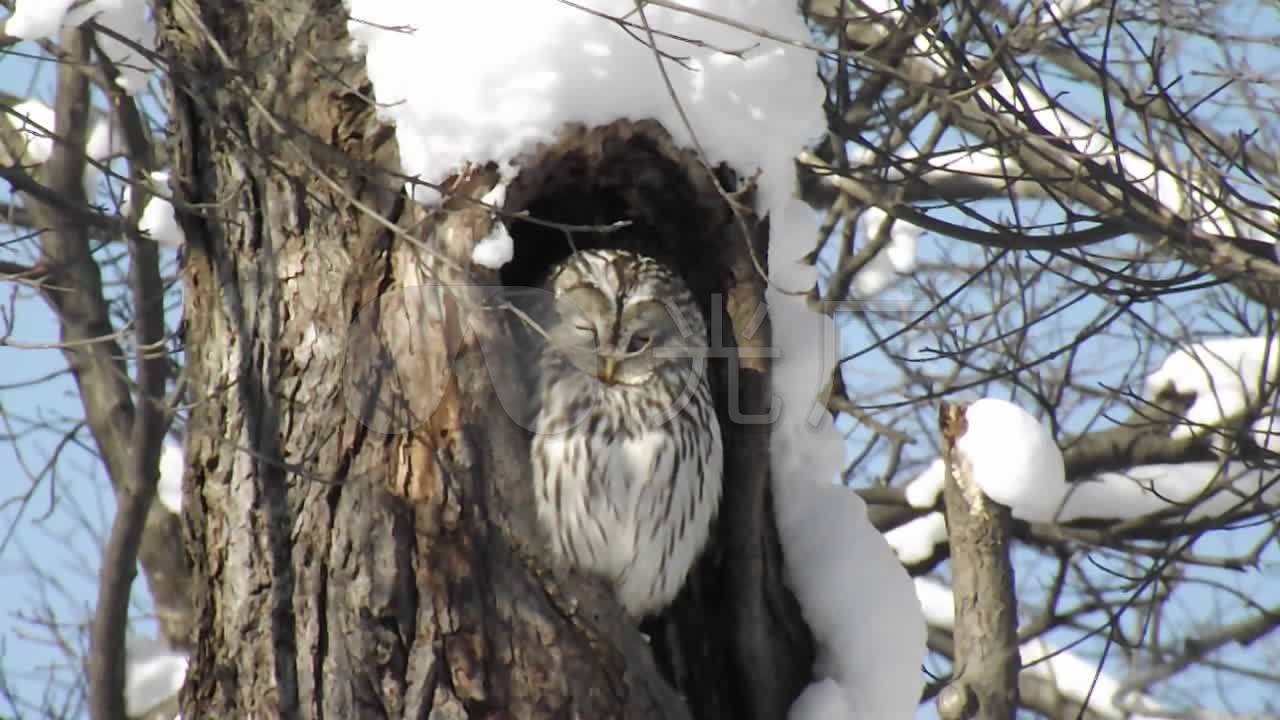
(104, 141)
(895, 259)
(1188, 491)
(1226, 376)
(1063, 9)
(497, 248)
(1079, 679)
(158, 220)
(1184, 491)
(34, 120)
(154, 674)
(32, 19)
(922, 493)
(1017, 464)
(937, 602)
(914, 541)
(1014, 458)
(40, 19)
(169, 487)
(1075, 677)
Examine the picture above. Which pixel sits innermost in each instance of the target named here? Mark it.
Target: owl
(627, 456)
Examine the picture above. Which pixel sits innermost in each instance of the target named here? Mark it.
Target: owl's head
(624, 317)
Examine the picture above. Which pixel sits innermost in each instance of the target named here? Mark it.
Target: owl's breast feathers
(628, 474)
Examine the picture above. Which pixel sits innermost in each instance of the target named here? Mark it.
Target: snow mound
(154, 673)
(169, 487)
(859, 603)
(922, 493)
(1014, 458)
(557, 64)
(1075, 677)
(1224, 374)
(914, 541)
(894, 260)
(158, 219)
(35, 121)
(1017, 464)
(39, 19)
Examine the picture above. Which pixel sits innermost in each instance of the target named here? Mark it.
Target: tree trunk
(358, 499)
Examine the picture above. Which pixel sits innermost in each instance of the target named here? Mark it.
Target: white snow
(494, 250)
(914, 541)
(854, 594)
(1266, 432)
(34, 19)
(750, 102)
(497, 248)
(1079, 679)
(1148, 489)
(1016, 463)
(922, 493)
(158, 219)
(820, 700)
(154, 673)
(1075, 677)
(936, 602)
(560, 64)
(857, 600)
(169, 487)
(38, 19)
(895, 259)
(1062, 9)
(1014, 458)
(105, 140)
(1224, 374)
(35, 121)
(1181, 490)
(159, 222)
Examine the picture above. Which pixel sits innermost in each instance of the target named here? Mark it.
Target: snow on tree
(302, 231)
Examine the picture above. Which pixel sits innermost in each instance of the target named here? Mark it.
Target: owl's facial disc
(646, 340)
(621, 348)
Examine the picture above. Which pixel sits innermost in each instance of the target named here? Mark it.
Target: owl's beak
(608, 368)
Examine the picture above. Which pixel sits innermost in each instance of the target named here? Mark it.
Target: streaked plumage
(627, 455)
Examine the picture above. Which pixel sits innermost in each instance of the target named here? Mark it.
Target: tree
(354, 502)
(401, 607)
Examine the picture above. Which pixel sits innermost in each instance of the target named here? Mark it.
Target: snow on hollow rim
(541, 64)
(544, 63)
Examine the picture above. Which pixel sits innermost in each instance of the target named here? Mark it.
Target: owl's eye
(638, 342)
(587, 329)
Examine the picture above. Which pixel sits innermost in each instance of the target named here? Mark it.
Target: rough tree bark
(359, 501)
